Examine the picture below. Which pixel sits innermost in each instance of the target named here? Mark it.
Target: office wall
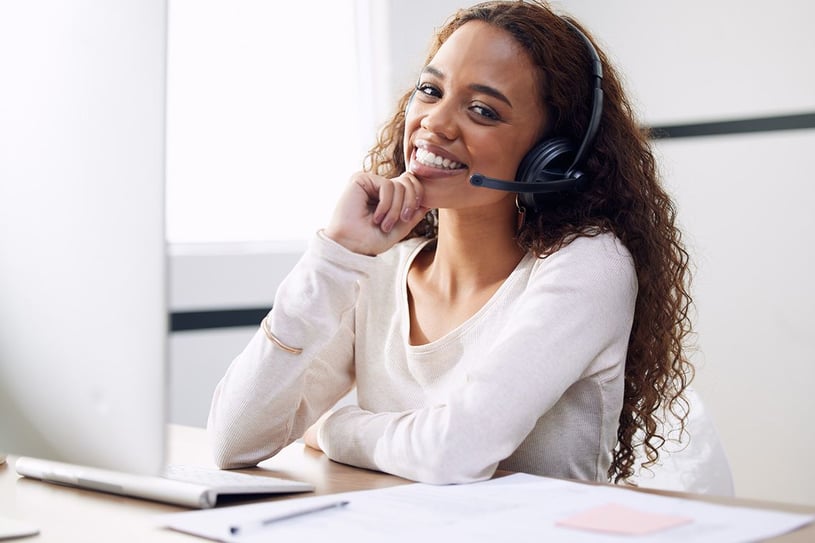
(744, 201)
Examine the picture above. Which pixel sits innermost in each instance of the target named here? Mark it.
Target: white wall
(744, 202)
(752, 233)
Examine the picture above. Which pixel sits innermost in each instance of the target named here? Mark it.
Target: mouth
(432, 160)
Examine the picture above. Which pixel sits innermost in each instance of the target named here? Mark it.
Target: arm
(577, 308)
(268, 396)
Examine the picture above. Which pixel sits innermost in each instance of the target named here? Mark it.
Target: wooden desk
(71, 515)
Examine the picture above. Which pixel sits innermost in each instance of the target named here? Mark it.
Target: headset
(552, 166)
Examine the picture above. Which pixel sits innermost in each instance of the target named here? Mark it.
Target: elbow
(226, 456)
(227, 460)
(221, 446)
(230, 450)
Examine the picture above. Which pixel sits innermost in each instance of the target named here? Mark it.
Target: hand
(374, 212)
(310, 437)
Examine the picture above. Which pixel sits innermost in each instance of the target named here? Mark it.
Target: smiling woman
(482, 330)
(247, 105)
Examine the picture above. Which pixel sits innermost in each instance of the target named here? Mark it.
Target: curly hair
(625, 197)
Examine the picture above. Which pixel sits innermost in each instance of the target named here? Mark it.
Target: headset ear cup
(546, 162)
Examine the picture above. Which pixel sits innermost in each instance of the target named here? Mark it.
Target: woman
(483, 329)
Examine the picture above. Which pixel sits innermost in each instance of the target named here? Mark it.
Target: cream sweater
(532, 382)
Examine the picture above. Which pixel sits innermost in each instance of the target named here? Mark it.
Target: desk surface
(66, 514)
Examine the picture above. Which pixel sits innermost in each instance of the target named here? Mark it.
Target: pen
(237, 529)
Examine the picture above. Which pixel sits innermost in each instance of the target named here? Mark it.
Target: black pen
(234, 530)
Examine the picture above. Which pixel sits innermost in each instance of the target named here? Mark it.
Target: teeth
(429, 159)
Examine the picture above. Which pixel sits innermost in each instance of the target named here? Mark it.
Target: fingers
(374, 212)
(400, 199)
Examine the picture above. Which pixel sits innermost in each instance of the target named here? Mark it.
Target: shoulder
(603, 248)
(591, 264)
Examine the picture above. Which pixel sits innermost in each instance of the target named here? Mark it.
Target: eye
(485, 112)
(428, 90)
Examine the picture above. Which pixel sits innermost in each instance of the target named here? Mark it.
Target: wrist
(347, 242)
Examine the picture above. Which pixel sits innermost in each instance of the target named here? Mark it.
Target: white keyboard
(190, 486)
(221, 480)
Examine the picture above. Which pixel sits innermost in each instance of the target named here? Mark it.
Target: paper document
(515, 508)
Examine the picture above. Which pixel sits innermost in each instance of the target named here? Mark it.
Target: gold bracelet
(265, 325)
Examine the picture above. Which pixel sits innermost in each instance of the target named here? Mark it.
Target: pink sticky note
(618, 519)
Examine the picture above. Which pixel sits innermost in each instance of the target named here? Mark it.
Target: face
(476, 109)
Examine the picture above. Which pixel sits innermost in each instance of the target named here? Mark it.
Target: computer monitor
(83, 302)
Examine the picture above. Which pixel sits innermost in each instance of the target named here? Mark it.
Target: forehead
(486, 54)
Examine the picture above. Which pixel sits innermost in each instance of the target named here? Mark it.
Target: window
(265, 118)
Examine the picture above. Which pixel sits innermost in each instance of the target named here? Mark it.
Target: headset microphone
(557, 184)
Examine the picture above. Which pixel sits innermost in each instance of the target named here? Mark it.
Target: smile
(427, 158)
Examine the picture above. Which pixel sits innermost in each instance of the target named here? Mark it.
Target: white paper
(516, 508)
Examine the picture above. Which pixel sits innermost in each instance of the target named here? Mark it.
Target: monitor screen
(83, 303)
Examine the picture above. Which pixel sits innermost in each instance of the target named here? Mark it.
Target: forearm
(269, 395)
(254, 405)
(409, 445)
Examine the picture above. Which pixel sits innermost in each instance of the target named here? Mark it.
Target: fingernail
(386, 226)
(407, 213)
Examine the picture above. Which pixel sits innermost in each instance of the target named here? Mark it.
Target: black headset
(552, 166)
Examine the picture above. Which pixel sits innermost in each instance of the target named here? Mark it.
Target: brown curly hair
(624, 196)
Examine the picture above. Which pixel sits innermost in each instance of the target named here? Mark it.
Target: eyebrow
(486, 89)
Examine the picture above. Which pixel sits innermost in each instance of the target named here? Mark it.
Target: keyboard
(230, 482)
(185, 485)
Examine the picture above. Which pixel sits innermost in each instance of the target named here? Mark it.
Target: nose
(440, 119)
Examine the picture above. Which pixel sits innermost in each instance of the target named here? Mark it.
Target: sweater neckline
(462, 328)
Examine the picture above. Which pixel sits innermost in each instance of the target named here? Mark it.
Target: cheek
(514, 151)
(501, 158)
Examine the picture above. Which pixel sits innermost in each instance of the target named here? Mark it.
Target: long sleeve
(551, 349)
(268, 396)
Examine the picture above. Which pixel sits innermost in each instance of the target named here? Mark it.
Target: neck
(475, 249)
